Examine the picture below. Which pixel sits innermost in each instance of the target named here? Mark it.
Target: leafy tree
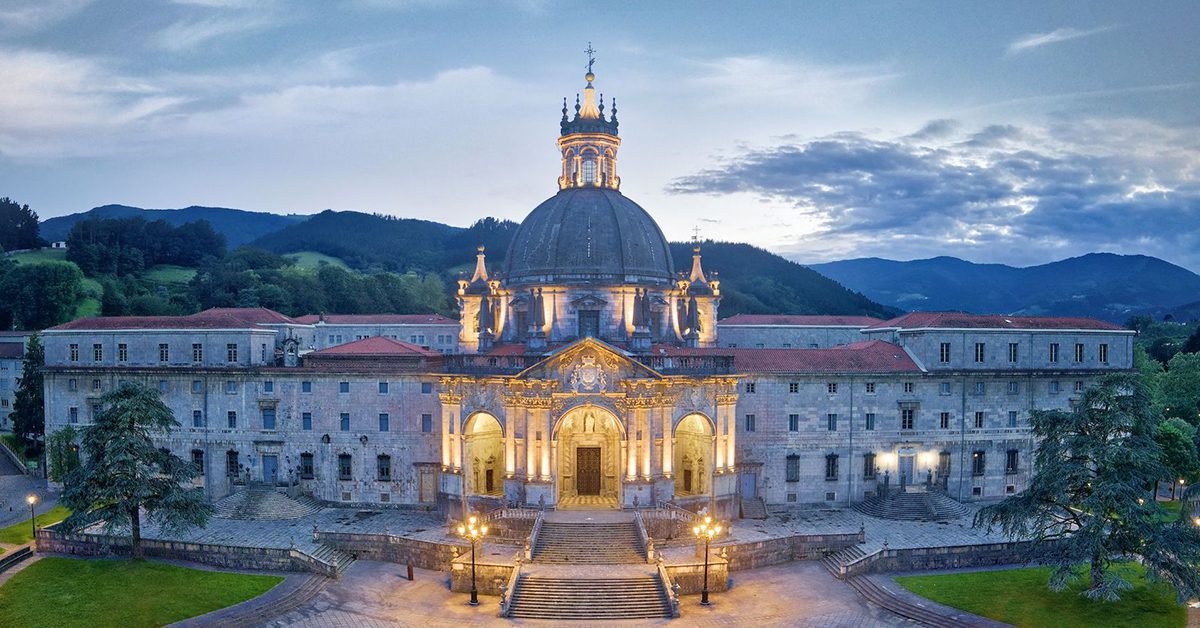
(6, 309)
(62, 453)
(28, 415)
(1181, 388)
(1177, 439)
(42, 295)
(18, 226)
(1151, 372)
(124, 474)
(1164, 349)
(1087, 501)
(1193, 342)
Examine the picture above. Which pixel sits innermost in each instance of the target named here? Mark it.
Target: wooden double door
(587, 470)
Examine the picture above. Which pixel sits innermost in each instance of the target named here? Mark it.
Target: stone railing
(531, 542)
(669, 586)
(511, 587)
(644, 539)
(668, 521)
(947, 557)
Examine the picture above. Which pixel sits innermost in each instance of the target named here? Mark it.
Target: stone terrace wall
(394, 549)
(950, 557)
(785, 549)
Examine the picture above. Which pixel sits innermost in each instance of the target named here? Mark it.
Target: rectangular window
(1012, 418)
(750, 387)
(164, 352)
(383, 388)
(794, 387)
(1054, 388)
(909, 387)
(793, 422)
(73, 414)
(343, 387)
(231, 353)
(1011, 461)
(831, 422)
(1078, 352)
(163, 386)
(96, 410)
(122, 352)
(96, 384)
(980, 388)
(870, 420)
(793, 468)
(198, 460)
(944, 353)
(345, 467)
(426, 388)
(831, 467)
(945, 388)
(384, 422)
(383, 468)
(907, 419)
(427, 423)
(231, 463)
(1012, 351)
(306, 466)
(306, 421)
(749, 422)
(978, 463)
(268, 386)
(978, 420)
(1103, 354)
(197, 386)
(230, 387)
(306, 387)
(74, 353)
(197, 352)
(197, 418)
(231, 419)
(1014, 388)
(72, 384)
(832, 388)
(345, 422)
(979, 352)
(1078, 386)
(870, 388)
(1053, 352)
(944, 420)
(868, 466)
(268, 418)
(97, 352)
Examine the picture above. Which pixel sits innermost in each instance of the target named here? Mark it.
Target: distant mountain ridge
(1101, 285)
(238, 225)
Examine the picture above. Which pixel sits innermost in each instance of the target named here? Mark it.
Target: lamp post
(473, 533)
(32, 500)
(706, 531)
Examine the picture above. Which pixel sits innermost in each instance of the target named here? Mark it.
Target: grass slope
(169, 274)
(39, 256)
(66, 592)
(20, 533)
(313, 259)
(1020, 597)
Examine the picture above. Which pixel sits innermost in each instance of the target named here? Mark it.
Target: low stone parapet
(394, 549)
(755, 554)
(492, 574)
(947, 557)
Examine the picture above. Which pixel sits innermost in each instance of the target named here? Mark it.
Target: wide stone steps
(877, 595)
(588, 543)
(754, 508)
(264, 504)
(537, 597)
(915, 506)
(331, 556)
(835, 561)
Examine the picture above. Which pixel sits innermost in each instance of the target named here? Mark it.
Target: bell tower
(589, 141)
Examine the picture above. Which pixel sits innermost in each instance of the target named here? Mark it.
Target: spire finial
(564, 108)
(601, 104)
(591, 53)
(576, 105)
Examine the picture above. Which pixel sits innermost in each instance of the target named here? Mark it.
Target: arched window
(589, 171)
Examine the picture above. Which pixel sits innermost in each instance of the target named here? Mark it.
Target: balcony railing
(468, 364)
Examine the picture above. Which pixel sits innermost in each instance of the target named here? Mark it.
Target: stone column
(728, 408)
(530, 444)
(647, 440)
(668, 442)
(544, 421)
(451, 452)
(510, 441)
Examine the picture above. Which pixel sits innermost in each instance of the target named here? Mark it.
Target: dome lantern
(589, 141)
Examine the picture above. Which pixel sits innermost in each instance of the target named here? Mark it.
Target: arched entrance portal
(483, 455)
(589, 458)
(693, 455)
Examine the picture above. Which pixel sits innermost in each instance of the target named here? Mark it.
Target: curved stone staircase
(913, 506)
(264, 504)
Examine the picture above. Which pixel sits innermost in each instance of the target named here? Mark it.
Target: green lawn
(73, 592)
(1020, 597)
(38, 256)
(19, 533)
(170, 274)
(312, 259)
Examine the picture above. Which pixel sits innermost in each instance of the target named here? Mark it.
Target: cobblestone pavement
(377, 594)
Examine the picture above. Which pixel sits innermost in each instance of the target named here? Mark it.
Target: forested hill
(238, 226)
(370, 241)
(756, 281)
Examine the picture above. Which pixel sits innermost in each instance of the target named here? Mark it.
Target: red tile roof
(959, 320)
(11, 351)
(215, 318)
(250, 314)
(376, 319)
(376, 346)
(806, 321)
(869, 356)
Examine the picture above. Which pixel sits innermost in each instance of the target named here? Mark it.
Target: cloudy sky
(998, 132)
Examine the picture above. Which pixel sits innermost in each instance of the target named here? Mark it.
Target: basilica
(586, 371)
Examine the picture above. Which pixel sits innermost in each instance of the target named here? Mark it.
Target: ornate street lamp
(32, 500)
(473, 533)
(706, 531)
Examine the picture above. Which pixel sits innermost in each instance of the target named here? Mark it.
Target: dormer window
(589, 171)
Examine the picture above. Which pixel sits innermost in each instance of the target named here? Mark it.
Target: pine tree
(28, 415)
(123, 474)
(1089, 501)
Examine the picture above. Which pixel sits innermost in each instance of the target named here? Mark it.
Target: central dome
(588, 235)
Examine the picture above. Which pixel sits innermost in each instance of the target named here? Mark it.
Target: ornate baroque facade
(587, 372)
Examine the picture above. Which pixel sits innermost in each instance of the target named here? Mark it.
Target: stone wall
(690, 576)
(394, 549)
(785, 549)
(490, 577)
(949, 557)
